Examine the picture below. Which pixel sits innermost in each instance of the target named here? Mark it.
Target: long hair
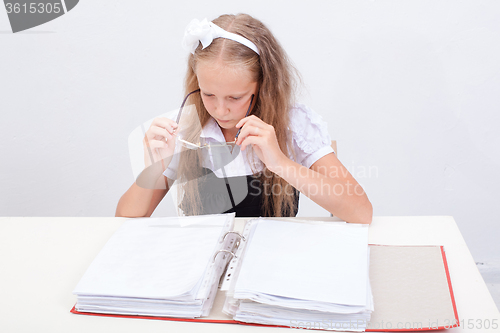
(276, 79)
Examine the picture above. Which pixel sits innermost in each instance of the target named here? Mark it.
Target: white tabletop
(43, 258)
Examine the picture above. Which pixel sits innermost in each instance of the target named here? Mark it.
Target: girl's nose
(221, 108)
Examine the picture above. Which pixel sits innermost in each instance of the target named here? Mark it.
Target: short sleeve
(310, 137)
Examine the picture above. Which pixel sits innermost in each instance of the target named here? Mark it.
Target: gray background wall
(410, 90)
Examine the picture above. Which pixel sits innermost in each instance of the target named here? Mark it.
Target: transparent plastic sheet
(131, 291)
(270, 309)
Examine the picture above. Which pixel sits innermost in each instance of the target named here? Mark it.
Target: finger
(251, 140)
(256, 122)
(165, 123)
(156, 132)
(164, 138)
(156, 144)
(154, 140)
(247, 131)
(251, 118)
(250, 126)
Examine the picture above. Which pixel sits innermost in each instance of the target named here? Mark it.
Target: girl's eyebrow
(239, 94)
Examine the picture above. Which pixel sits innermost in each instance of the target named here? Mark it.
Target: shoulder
(303, 118)
(309, 130)
(310, 137)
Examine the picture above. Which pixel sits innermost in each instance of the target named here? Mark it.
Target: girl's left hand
(262, 137)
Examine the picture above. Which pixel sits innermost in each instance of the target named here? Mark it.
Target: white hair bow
(205, 32)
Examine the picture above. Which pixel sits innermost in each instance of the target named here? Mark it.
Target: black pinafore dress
(243, 195)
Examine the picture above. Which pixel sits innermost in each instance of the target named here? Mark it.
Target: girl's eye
(208, 95)
(235, 98)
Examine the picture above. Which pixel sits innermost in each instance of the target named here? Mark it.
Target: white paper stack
(158, 267)
(307, 275)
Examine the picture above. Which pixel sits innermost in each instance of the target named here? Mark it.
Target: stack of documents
(306, 275)
(158, 267)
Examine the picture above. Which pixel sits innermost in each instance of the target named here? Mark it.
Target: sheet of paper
(326, 263)
(154, 258)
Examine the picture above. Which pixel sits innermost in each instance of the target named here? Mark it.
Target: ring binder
(226, 251)
(230, 273)
(233, 232)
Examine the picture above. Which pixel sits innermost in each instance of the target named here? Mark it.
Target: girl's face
(226, 92)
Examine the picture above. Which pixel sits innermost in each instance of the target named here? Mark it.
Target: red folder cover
(403, 297)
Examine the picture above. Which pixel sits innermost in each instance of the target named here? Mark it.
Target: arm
(327, 182)
(139, 201)
(330, 185)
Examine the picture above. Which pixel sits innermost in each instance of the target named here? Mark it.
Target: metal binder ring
(232, 232)
(231, 253)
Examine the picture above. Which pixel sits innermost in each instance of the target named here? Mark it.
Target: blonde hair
(276, 79)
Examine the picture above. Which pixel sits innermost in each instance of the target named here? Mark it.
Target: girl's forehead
(222, 68)
(217, 75)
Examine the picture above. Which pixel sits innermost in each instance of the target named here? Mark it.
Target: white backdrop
(410, 90)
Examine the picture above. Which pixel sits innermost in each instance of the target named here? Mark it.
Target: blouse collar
(212, 131)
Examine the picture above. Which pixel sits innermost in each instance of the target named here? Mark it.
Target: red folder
(399, 277)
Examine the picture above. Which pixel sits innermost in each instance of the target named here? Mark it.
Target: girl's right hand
(159, 141)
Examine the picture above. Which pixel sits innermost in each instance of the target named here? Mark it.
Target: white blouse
(310, 141)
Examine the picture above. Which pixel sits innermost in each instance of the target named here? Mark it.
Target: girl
(241, 83)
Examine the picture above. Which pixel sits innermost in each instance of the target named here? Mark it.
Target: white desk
(42, 260)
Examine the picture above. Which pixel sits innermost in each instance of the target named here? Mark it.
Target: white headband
(205, 32)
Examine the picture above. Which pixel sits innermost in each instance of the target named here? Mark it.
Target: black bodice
(243, 195)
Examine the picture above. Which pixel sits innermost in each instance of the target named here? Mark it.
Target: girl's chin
(226, 124)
